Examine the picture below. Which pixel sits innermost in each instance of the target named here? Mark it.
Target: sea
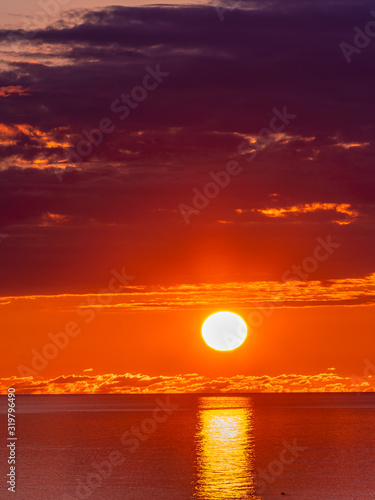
(317, 446)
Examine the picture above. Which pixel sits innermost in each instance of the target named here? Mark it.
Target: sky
(159, 163)
(14, 14)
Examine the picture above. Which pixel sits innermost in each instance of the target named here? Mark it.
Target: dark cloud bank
(120, 205)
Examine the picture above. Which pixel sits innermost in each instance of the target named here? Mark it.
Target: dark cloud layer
(120, 205)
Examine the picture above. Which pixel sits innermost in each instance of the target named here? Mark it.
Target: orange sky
(320, 333)
(232, 174)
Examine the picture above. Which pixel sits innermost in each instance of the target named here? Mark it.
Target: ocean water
(199, 447)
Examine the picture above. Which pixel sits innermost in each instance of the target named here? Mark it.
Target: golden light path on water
(225, 450)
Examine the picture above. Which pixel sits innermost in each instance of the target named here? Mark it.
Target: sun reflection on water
(225, 449)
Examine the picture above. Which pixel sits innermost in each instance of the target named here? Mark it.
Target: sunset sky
(236, 155)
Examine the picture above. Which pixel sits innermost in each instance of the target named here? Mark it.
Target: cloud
(343, 213)
(225, 78)
(185, 383)
(236, 295)
(10, 90)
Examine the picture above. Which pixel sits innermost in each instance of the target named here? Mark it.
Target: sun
(224, 331)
